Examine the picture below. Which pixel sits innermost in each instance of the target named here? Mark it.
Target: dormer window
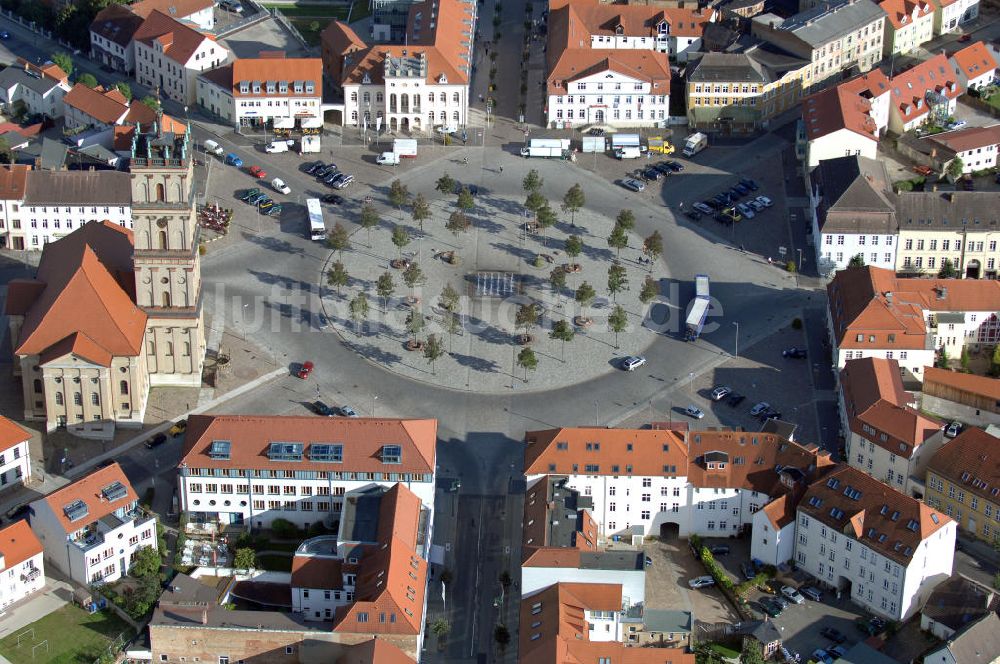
(297, 87)
(271, 87)
(244, 87)
(256, 87)
(283, 87)
(310, 88)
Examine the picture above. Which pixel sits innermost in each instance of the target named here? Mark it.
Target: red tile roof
(874, 396)
(972, 461)
(903, 13)
(970, 383)
(48, 70)
(88, 489)
(179, 40)
(106, 106)
(323, 572)
(81, 294)
(909, 89)
(362, 440)
(846, 106)
(974, 60)
(967, 139)
(886, 521)
(11, 434)
(13, 181)
(275, 69)
(175, 8)
(18, 543)
(375, 651)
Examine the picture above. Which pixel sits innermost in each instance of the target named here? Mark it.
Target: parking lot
(667, 577)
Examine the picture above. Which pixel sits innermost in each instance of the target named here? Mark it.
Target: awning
(312, 123)
(284, 123)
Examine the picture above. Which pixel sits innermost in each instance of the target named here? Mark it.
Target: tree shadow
(479, 364)
(273, 244)
(375, 353)
(523, 253)
(289, 283)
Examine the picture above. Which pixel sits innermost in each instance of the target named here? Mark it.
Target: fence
(258, 15)
(280, 18)
(30, 25)
(980, 105)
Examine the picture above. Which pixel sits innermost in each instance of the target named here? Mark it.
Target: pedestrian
(501, 169)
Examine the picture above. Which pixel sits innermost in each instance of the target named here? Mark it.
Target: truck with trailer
(547, 148)
(695, 143)
(699, 308)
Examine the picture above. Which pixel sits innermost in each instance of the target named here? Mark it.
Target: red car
(258, 172)
(305, 370)
(965, 38)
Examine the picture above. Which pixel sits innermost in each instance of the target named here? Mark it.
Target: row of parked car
(259, 199)
(725, 207)
(329, 175)
(651, 173)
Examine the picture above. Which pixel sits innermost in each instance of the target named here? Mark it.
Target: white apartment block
(908, 25)
(951, 14)
(250, 470)
(93, 528)
(976, 65)
(15, 457)
(885, 550)
(671, 30)
(611, 97)
(169, 55)
(22, 568)
(39, 88)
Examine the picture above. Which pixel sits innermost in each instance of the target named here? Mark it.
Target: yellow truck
(661, 145)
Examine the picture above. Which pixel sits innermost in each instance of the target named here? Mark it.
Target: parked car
(315, 168)
(836, 652)
(305, 369)
(701, 582)
(704, 209)
(749, 184)
(694, 411)
(771, 606)
(953, 429)
(332, 176)
(347, 411)
(756, 205)
(280, 186)
(720, 392)
(747, 571)
(833, 634)
(446, 129)
(732, 214)
(964, 38)
(693, 215)
(232, 159)
(257, 198)
(812, 593)
(279, 146)
(273, 210)
(735, 399)
(213, 147)
(247, 194)
(662, 168)
(793, 594)
(719, 549)
(769, 414)
(760, 408)
(735, 194)
(652, 174)
(343, 181)
(332, 199)
(633, 362)
(742, 188)
(794, 352)
(746, 210)
(765, 201)
(711, 204)
(325, 170)
(179, 427)
(675, 166)
(322, 409)
(156, 441)
(870, 626)
(633, 184)
(257, 172)
(819, 655)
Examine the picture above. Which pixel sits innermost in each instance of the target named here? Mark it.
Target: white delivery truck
(309, 144)
(547, 148)
(695, 143)
(401, 147)
(628, 152)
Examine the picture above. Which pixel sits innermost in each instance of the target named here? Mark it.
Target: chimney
(888, 297)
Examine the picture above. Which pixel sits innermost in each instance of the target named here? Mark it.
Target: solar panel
(220, 449)
(285, 452)
(326, 453)
(114, 491)
(76, 510)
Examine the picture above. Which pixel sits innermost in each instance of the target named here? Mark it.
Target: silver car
(633, 184)
(633, 362)
(694, 411)
(701, 582)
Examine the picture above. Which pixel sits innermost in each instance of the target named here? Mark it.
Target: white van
(213, 147)
(387, 159)
(628, 152)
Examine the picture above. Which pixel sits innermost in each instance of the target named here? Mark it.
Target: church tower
(167, 264)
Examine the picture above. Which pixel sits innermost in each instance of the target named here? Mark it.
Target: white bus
(317, 227)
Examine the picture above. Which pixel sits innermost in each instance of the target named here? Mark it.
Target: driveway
(666, 584)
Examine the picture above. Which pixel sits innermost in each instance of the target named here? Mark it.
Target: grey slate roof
(77, 188)
(979, 642)
(614, 560)
(12, 76)
(822, 24)
(958, 601)
(49, 154)
(667, 621)
(974, 210)
(862, 653)
(765, 632)
(726, 67)
(857, 196)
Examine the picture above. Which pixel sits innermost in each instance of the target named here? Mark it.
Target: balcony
(93, 534)
(31, 575)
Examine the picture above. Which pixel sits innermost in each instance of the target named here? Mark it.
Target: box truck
(699, 308)
(547, 148)
(660, 145)
(695, 143)
(401, 147)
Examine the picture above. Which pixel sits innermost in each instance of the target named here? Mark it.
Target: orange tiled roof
(884, 520)
(324, 572)
(909, 89)
(179, 40)
(902, 13)
(176, 8)
(362, 439)
(18, 543)
(974, 60)
(106, 106)
(13, 181)
(11, 434)
(636, 20)
(846, 106)
(277, 69)
(374, 651)
(88, 489)
(84, 289)
(972, 461)
(48, 70)
(646, 451)
(971, 383)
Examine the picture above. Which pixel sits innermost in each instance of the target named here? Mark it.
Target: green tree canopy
(955, 168)
(245, 558)
(562, 331)
(338, 239)
(359, 308)
(618, 321)
(64, 61)
(445, 184)
(413, 275)
(527, 360)
(585, 294)
(151, 101)
(385, 287)
(433, 350)
(532, 181)
(399, 195)
(414, 323)
(625, 219)
(420, 210)
(465, 200)
(457, 223)
(87, 79)
(526, 317)
(337, 276)
(618, 239)
(573, 201)
(449, 297)
(617, 279)
(650, 289)
(369, 220)
(652, 246)
(125, 89)
(573, 246)
(857, 260)
(400, 238)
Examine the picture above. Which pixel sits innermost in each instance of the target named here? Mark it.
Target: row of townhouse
(251, 470)
(874, 313)
(851, 532)
(411, 86)
(948, 15)
(918, 233)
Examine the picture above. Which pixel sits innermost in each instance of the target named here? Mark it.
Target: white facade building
(951, 14)
(250, 470)
(614, 95)
(269, 90)
(40, 88)
(93, 528)
(15, 457)
(885, 550)
(22, 568)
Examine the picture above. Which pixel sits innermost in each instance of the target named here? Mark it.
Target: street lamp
(374, 399)
(737, 353)
(243, 320)
(597, 414)
(690, 382)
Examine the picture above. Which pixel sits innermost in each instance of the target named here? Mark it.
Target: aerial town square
(500, 331)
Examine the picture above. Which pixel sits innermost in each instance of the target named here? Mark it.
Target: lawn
(275, 563)
(74, 637)
(994, 100)
(305, 28)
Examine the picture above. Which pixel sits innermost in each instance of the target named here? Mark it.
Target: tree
(625, 219)
(64, 61)
(753, 652)
(440, 627)
(399, 195)
(125, 89)
(947, 270)
(400, 238)
(562, 331)
(995, 361)
(6, 154)
(146, 564)
(453, 323)
(526, 360)
(414, 323)
(359, 308)
(338, 239)
(534, 202)
(385, 287)
(650, 289)
(618, 239)
(449, 297)
(942, 358)
(369, 220)
(433, 350)
(445, 184)
(858, 260)
(585, 294)
(87, 79)
(573, 247)
(546, 218)
(420, 211)
(337, 276)
(457, 223)
(617, 279)
(245, 558)
(532, 181)
(965, 359)
(955, 168)
(526, 317)
(314, 26)
(652, 246)
(618, 321)
(557, 279)
(151, 101)
(465, 201)
(573, 201)
(413, 276)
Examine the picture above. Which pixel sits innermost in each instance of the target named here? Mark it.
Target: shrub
(904, 185)
(202, 249)
(284, 529)
(796, 323)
